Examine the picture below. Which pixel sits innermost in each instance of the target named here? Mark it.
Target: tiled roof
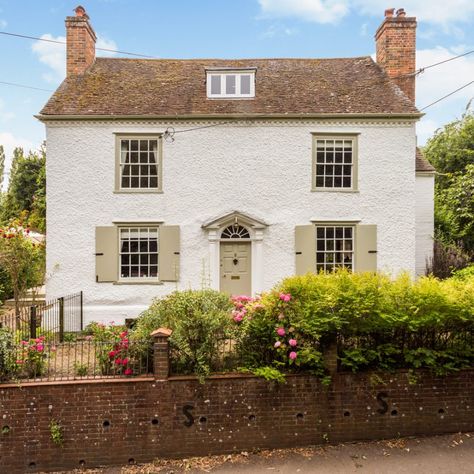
(169, 87)
(422, 164)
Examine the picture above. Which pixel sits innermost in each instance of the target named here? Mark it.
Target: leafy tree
(451, 149)
(22, 259)
(455, 208)
(2, 166)
(26, 188)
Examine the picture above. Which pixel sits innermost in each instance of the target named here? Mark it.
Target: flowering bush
(33, 356)
(112, 348)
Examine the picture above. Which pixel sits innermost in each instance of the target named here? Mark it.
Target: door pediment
(235, 217)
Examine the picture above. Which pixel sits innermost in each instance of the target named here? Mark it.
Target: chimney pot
(81, 11)
(389, 12)
(401, 12)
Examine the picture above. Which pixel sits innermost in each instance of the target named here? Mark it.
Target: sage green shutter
(168, 253)
(366, 248)
(106, 254)
(305, 249)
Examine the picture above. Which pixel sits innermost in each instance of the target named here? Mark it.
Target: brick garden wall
(123, 421)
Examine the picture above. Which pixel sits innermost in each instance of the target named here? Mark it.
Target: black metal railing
(54, 319)
(39, 360)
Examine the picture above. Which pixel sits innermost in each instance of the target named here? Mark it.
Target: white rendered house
(231, 174)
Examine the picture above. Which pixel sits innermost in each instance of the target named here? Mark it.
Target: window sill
(334, 190)
(142, 282)
(139, 191)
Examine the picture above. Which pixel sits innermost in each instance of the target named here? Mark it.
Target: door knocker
(236, 261)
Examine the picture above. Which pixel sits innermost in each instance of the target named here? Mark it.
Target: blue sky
(227, 29)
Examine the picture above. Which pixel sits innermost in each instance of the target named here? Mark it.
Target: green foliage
(451, 151)
(198, 319)
(27, 181)
(270, 373)
(8, 348)
(455, 208)
(56, 432)
(447, 259)
(6, 288)
(377, 322)
(81, 370)
(22, 259)
(465, 274)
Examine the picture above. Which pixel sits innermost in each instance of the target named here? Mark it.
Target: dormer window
(230, 83)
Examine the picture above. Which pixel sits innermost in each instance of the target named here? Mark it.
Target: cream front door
(235, 268)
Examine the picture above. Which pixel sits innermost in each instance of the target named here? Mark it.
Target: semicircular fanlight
(235, 231)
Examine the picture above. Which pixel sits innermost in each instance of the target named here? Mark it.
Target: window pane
(134, 145)
(215, 85)
(136, 255)
(245, 84)
(230, 84)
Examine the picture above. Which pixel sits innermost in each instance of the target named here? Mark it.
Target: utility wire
(25, 87)
(17, 35)
(447, 95)
(415, 73)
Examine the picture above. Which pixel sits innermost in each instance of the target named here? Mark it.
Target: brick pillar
(161, 357)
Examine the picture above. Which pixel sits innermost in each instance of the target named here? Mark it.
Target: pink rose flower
(128, 371)
(24, 343)
(40, 347)
(112, 354)
(293, 355)
(285, 297)
(89, 338)
(277, 344)
(238, 318)
(19, 362)
(118, 361)
(292, 342)
(281, 331)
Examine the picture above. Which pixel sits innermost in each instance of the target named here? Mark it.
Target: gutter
(51, 118)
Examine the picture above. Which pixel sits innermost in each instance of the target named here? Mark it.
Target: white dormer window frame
(230, 83)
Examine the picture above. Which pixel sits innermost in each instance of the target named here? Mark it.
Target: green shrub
(464, 274)
(377, 323)
(8, 350)
(198, 319)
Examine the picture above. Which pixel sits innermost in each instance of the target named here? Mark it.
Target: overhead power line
(17, 35)
(25, 87)
(447, 95)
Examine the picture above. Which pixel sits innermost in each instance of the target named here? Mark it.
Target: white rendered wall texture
(260, 168)
(424, 222)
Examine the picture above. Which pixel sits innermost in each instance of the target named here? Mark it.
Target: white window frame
(353, 137)
(118, 162)
(238, 73)
(138, 279)
(333, 265)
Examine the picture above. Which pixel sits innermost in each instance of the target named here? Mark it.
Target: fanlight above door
(235, 231)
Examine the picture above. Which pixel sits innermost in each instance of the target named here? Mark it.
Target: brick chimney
(80, 39)
(396, 49)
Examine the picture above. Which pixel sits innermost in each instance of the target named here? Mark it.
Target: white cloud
(3, 23)
(54, 54)
(318, 11)
(437, 12)
(278, 30)
(441, 80)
